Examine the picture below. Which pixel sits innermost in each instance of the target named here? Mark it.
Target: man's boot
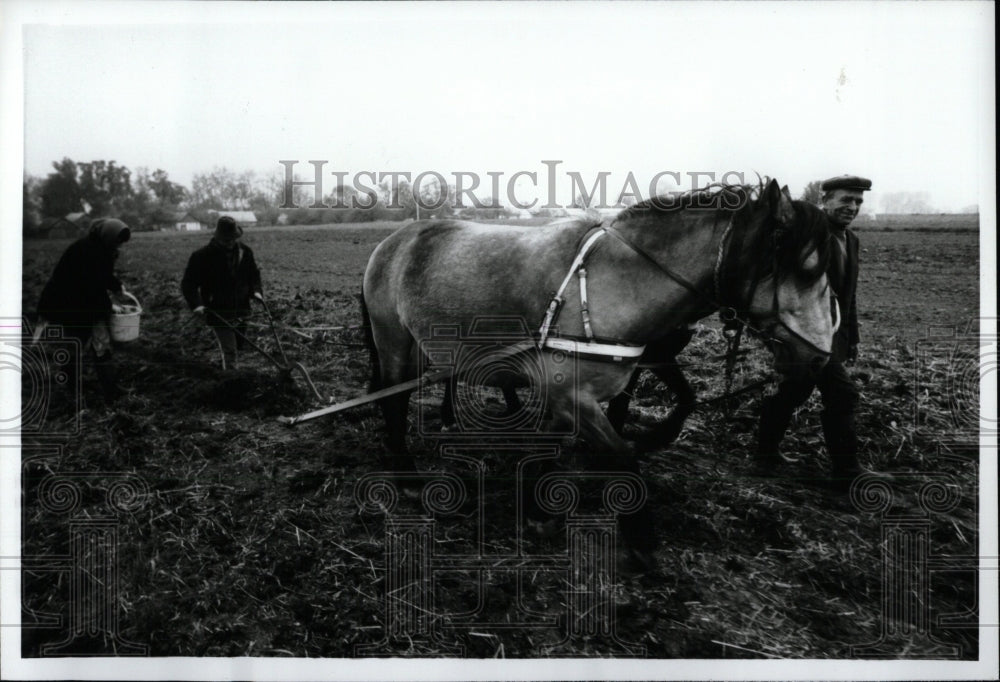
(108, 378)
(842, 447)
(771, 430)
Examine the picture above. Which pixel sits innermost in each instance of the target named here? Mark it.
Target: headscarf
(110, 231)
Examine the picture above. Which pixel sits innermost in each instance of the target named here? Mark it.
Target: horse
(661, 264)
(659, 357)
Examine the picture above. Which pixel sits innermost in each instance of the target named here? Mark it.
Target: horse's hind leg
(448, 402)
(397, 367)
(511, 398)
(611, 454)
(394, 410)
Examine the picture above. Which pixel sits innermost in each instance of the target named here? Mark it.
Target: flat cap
(846, 182)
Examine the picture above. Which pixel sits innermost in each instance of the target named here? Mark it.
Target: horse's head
(790, 303)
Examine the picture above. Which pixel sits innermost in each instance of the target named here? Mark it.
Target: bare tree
(812, 193)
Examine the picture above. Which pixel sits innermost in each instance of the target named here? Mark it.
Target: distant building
(181, 221)
(69, 226)
(242, 218)
(79, 219)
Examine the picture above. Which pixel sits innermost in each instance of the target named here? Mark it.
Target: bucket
(125, 320)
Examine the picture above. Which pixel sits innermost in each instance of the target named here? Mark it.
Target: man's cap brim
(854, 182)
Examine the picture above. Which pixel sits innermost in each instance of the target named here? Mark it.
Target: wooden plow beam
(428, 378)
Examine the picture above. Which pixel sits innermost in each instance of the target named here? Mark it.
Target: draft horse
(666, 262)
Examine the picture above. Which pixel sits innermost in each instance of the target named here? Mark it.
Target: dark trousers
(229, 340)
(840, 400)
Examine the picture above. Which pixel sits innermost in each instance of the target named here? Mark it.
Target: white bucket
(125, 320)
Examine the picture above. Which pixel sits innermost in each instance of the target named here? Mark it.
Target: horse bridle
(728, 313)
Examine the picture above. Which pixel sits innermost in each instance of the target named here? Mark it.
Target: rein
(728, 313)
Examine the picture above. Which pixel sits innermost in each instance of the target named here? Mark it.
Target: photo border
(17, 14)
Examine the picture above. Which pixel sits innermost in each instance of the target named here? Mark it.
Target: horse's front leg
(611, 455)
(666, 433)
(598, 432)
(618, 406)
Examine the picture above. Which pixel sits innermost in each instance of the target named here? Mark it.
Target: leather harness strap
(729, 314)
(555, 305)
(577, 266)
(589, 347)
(672, 274)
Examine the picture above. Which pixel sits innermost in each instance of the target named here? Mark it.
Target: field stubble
(250, 542)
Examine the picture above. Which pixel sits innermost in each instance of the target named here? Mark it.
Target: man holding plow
(218, 283)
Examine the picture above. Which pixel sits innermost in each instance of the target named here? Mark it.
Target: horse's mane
(754, 250)
(719, 196)
(811, 233)
(778, 249)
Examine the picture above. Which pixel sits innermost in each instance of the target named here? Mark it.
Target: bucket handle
(134, 299)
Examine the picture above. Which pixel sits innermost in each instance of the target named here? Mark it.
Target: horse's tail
(376, 372)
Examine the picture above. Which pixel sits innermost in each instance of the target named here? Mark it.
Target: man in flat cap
(76, 297)
(841, 200)
(218, 283)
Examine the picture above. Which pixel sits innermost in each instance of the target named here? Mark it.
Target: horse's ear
(781, 203)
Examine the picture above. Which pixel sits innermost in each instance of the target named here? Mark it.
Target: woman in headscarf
(76, 295)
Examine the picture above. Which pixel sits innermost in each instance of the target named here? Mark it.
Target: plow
(285, 367)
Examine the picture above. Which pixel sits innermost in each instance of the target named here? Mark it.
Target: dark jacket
(846, 288)
(76, 295)
(209, 280)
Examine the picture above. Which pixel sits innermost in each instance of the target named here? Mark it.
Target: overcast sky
(894, 91)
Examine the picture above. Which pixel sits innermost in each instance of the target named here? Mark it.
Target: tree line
(149, 200)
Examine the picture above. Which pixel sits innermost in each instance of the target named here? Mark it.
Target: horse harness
(617, 352)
